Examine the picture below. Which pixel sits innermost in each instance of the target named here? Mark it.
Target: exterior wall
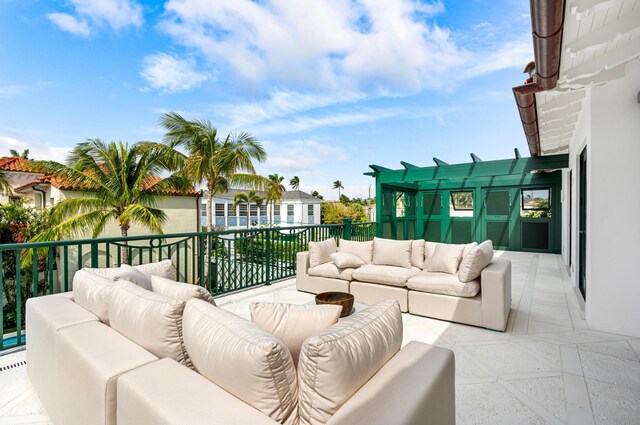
(610, 132)
(300, 216)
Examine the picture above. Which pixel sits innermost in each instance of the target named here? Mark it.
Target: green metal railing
(221, 261)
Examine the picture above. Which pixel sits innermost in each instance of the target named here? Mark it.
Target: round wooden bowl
(337, 298)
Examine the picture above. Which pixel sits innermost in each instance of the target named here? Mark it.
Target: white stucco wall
(610, 129)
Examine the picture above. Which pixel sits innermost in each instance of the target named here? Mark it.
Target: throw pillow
(293, 324)
(179, 290)
(242, 359)
(477, 259)
(92, 292)
(467, 248)
(320, 252)
(429, 248)
(344, 260)
(417, 253)
(336, 362)
(124, 272)
(162, 268)
(446, 258)
(389, 252)
(364, 250)
(152, 321)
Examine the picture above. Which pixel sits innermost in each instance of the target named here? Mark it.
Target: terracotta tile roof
(25, 165)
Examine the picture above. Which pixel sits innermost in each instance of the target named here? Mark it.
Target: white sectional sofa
(86, 371)
(457, 283)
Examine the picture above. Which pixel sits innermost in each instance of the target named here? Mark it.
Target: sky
(327, 86)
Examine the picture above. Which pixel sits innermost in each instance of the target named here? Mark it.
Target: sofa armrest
(415, 387)
(302, 263)
(167, 393)
(495, 282)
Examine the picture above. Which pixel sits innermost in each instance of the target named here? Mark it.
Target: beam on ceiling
(475, 158)
(439, 162)
(407, 166)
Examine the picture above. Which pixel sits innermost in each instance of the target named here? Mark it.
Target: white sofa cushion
(320, 252)
(345, 260)
(475, 261)
(331, 271)
(446, 258)
(292, 324)
(386, 275)
(364, 250)
(417, 253)
(443, 283)
(241, 358)
(124, 272)
(467, 249)
(151, 320)
(92, 292)
(336, 362)
(162, 268)
(389, 252)
(179, 290)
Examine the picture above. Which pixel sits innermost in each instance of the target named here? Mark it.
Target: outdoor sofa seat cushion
(443, 283)
(386, 275)
(331, 271)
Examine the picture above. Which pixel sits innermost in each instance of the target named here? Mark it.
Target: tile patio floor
(547, 368)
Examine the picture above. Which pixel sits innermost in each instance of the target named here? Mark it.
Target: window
(253, 208)
(400, 204)
(219, 209)
(263, 210)
(276, 210)
(309, 209)
(536, 203)
(289, 210)
(462, 201)
(230, 210)
(242, 210)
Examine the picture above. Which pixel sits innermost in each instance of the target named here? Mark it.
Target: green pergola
(514, 202)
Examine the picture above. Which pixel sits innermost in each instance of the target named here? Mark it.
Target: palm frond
(151, 218)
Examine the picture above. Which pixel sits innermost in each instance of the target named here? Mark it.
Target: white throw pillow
(344, 260)
(124, 272)
(467, 248)
(162, 268)
(429, 249)
(446, 258)
(179, 290)
(293, 324)
(336, 362)
(417, 253)
(389, 252)
(320, 252)
(364, 250)
(242, 359)
(151, 320)
(474, 262)
(92, 292)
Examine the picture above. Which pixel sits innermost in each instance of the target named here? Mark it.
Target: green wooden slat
(1, 303)
(50, 263)
(66, 268)
(34, 272)
(18, 299)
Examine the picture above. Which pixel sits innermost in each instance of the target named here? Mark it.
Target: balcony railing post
(94, 255)
(200, 279)
(267, 248)
(347, 228)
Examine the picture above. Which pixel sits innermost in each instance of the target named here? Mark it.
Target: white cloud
(70, 23)
(512, 54)
(37, 149)
(14, 90)
(334, 46)
(302, 156)
(117, 14)
(168, 73)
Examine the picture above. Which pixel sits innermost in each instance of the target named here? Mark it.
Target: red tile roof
(24, 165)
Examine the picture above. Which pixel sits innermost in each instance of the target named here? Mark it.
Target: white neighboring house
(297, 208)
(42, 191)
(593, 115)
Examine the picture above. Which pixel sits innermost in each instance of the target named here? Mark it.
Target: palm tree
(294, 182)
(217, 163)
(274, 190)
(118, 182)
(316, 194)
(338, 185)
(24, 154)
(247, 198)
(5, 186)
